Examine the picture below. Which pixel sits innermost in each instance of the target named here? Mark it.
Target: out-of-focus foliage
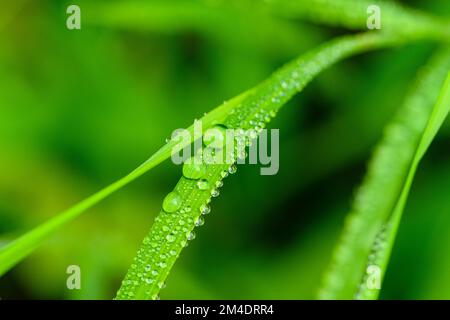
(371, 227)
(80, 108)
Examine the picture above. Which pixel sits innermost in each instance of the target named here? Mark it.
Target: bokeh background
(79, 109)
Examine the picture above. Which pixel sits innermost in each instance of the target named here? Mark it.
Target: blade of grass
(170, 232)
(211, 21)
(370, 228)
(437, 118)
(395, 18)
(300, 72)
(18, 249)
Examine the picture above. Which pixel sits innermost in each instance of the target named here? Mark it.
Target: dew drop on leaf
(170, 238)
(232, 169)
(162, 285)
(194, 168)
(217, 135)
(203, 184)
(205, 209)
(172, 202)
(199, 222)
(191, 236)
(215, 192)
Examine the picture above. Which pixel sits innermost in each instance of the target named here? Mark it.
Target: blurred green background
(81, 108)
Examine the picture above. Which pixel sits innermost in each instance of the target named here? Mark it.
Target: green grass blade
(371, 226)
(167, 17)
(170, 232)
(437, 118)
(353, 14)
(18, 249)
(220, 23)
(309, 65)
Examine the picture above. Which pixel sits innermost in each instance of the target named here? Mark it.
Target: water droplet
(170, 238)
(155, 273)
(205, 209)
(219, 184)
(173, 252)
(224, 174)
(199, 222)
(162, 265)
(242, 155)
(149, 280)
(172, 202)
(194, 168)
(216, 135)
(162, 285)
(232, 169)
(147, 268)
(252, 134)
(191, 236)
(203, 184)
(215, 192)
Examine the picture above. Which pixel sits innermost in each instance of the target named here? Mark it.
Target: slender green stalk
(170, 232)
(364, 249)
(18, 249)
(305, 68)
(354, 14)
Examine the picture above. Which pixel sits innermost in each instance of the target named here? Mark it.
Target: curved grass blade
(211, 21)
(18, 249)
(360, 259)
(354, 14)
(382, 255)
(170, 232)
(311, 64)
